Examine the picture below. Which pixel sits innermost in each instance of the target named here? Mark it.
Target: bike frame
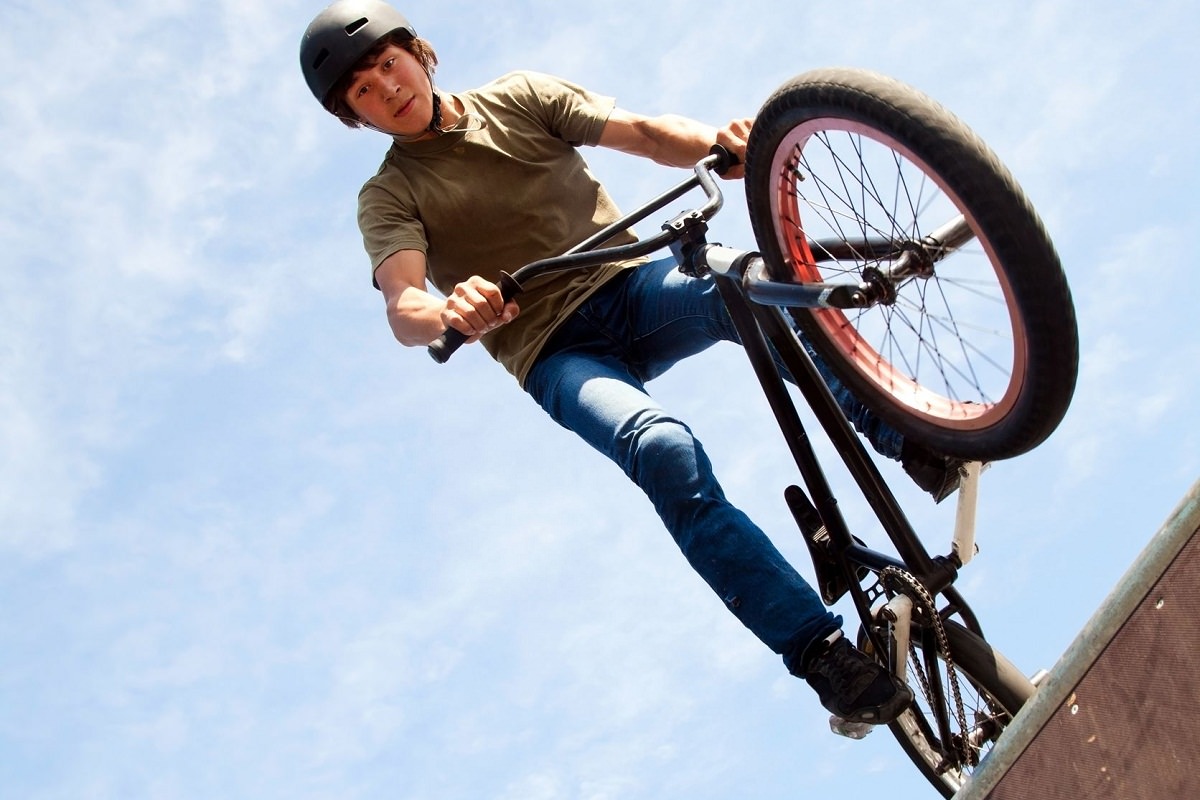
(756, 305)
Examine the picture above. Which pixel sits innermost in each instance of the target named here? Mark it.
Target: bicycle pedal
(848, 729)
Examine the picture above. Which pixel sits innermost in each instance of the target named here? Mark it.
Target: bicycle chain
(922, 595)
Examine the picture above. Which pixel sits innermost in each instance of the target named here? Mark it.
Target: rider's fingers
(510, 312)
(475, 302)
(481, 290)
(476, 308)
(733, 137)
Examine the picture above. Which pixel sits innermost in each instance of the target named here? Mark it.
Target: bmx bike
(894, 242)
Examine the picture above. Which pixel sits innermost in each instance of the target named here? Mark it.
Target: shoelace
(842, 670)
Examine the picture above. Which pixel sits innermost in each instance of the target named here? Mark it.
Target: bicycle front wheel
(948, 745)
(962, 334)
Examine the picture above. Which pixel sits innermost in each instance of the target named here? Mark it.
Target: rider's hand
(476, 307)
(733, 138)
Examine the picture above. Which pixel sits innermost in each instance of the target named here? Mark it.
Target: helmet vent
(356, 26)
(320, 59)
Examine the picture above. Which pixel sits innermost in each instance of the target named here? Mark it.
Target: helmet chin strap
(435, 122)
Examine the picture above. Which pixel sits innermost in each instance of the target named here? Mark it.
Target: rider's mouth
(404, 109)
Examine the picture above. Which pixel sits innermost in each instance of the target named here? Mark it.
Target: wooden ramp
(1119, 716)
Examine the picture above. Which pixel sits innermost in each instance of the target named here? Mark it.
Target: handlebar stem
(689, 237)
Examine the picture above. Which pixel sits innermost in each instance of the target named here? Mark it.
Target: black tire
(992, 690)
(974, 352)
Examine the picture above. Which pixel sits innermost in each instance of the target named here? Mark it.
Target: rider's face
(393, 95)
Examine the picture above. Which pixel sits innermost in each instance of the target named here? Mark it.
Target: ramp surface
(1119, 716)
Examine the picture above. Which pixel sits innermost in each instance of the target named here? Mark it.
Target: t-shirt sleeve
(574, 114)
(387, 226)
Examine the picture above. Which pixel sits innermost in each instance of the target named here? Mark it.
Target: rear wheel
(964, 335)
(945, 745)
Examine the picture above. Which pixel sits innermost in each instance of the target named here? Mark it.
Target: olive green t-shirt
(506, 187)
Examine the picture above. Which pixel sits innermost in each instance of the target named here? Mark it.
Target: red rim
(842, 333)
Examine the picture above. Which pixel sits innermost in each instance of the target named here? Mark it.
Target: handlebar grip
(725, 159)
(451, 339)
(444, 346)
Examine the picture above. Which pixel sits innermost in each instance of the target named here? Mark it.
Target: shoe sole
(885, 714)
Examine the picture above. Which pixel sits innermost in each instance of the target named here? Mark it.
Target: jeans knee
(659, 447)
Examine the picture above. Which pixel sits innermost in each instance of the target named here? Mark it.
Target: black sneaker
(937, 474)
(854, 687)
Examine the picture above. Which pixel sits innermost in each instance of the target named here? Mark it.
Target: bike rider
(490, 179)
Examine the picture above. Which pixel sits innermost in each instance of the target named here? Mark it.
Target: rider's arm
(417, 316)
(673, 140)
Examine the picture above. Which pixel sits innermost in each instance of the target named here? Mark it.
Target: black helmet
(340, 35)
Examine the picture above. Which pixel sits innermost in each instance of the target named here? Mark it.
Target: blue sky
(252, 548)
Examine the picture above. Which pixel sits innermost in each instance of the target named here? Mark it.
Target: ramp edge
(1120, 604)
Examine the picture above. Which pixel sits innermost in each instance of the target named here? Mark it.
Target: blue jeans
(591, 379)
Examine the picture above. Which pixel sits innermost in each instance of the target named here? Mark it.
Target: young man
(491, 179)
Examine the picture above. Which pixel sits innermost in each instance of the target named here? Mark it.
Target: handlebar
(589, 252)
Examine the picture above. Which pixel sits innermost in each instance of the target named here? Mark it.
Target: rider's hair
(420, 49)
